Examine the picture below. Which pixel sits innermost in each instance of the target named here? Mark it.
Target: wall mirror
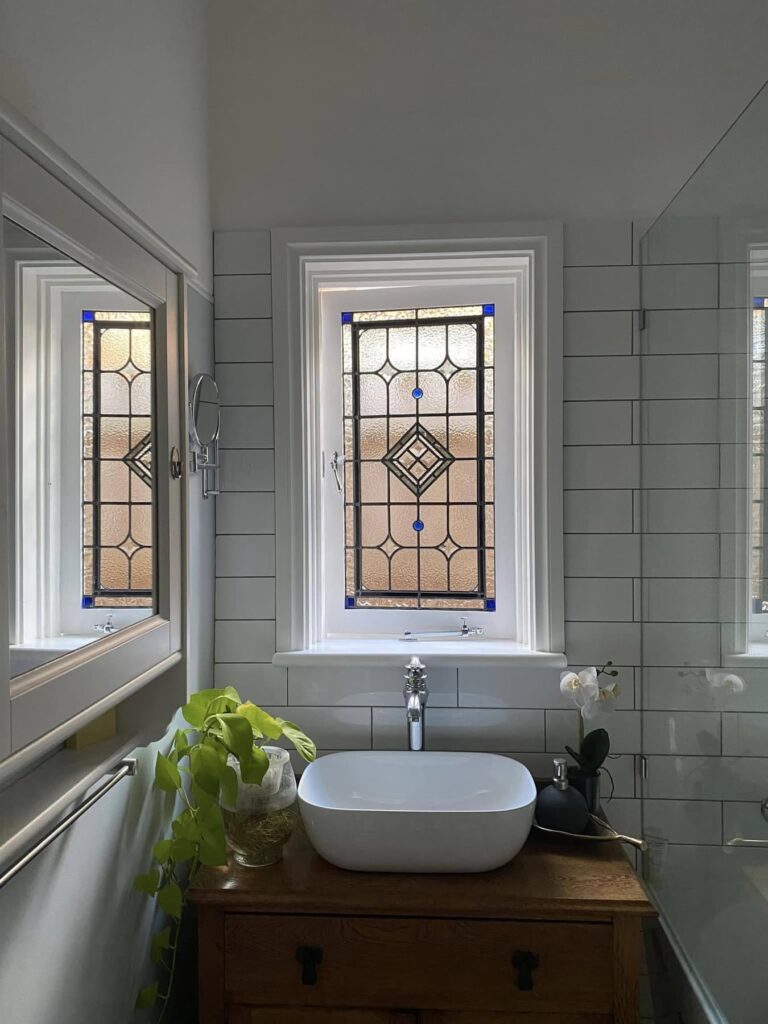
(204, 424)
(81, 399)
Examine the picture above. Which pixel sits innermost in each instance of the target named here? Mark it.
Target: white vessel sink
(417, 811)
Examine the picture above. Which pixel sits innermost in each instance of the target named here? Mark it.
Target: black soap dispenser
(560, 806)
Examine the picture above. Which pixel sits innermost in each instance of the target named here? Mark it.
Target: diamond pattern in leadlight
(418, 459)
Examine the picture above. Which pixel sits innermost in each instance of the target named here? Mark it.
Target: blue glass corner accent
(418, 525)
(346, 318)
(87, 315)
(349, 602)
(758, 303)
(490, 604)
(87, 602)
(417, 393)
(489, 309)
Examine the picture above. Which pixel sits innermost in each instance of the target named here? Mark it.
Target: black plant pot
(588, 784)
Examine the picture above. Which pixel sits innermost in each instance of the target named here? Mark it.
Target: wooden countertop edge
(555, 909)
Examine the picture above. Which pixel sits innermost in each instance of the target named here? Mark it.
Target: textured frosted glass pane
(404, 570)
(387, 602)
(349, 571)
(388, 314)
(373, 395)
(375, 570)
(140, 427)
(87, 394)
(401, 400)
(402, 518)
(372, 350)
(463, 436)
(488, 340)
(141, 524)
(489, 488)
(349, 526)
(462, 344)
(433, 570)
(490, 573)
(114, 395)
(141, 570)
(88, 524)
(435, 521)
(437, 426)
(114, 440)
(141, 349)
(141, 395)
(373, 482)
(374, 525)
(468, 603)
(489, 436)
(88, 480)
(432, 347)
(435, 393)
(115, 348)
(400, 493)
(101, 315)
(488, 383)
(436, 492)
(462, 481)
(489, 526)
(373, 439)
(87, 437)
(462, 391)
(114, 570)
(349, 481)
(463, 520)
(397, 428)
(114, 481)
(348, 395)
(113, 524)
(402, 347)
(464, 570)
(444, 311)
(346, 347)
(87, 346)
(87, 570)
(140, 492)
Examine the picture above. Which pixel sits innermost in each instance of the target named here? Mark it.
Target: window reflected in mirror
(80, 396)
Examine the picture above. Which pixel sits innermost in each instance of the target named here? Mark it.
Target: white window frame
(39, 708)
(308, 266)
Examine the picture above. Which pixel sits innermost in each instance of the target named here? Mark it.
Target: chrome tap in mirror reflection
(80, 396)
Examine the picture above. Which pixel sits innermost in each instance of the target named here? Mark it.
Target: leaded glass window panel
(117, 475)
(419, 455)
(758, 567)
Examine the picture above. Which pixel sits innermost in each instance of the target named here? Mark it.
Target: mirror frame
(195, 387)
(36, 707)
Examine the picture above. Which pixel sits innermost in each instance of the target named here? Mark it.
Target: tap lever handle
(310, 958)
(525, 963)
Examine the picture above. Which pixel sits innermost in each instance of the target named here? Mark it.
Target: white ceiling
(345, 111)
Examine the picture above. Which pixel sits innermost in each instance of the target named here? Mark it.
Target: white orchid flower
(587, 694)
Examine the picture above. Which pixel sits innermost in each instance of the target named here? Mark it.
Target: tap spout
(415, 694)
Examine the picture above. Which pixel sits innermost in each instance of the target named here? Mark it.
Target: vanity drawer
(424, 964)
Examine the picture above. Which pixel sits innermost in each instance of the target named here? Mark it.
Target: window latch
(337, 461)
(465, 631)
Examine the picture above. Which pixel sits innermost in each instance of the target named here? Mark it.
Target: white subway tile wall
(521, 711)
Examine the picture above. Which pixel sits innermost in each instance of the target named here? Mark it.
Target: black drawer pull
(310, 958)
(525, 963)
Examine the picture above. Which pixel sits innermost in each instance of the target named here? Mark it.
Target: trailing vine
(221, 725)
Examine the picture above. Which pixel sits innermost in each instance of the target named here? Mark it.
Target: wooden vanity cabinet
(552, 938)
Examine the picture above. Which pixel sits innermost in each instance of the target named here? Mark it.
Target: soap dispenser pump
(560, 806)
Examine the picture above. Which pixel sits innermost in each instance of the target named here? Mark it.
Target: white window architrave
(315, 272)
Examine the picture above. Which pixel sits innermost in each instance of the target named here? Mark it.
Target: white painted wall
(406, 111)
(121, 86)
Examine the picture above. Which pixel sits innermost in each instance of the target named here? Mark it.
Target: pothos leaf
(161, 851)
(169, 899)
(147, 883)
(147, 996)
(299, 739)
(159, 942)
(229, 786)
(167, 775)
(262, 723)
(254, 765)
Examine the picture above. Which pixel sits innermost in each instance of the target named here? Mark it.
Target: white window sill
(392, 651)
(755, 657)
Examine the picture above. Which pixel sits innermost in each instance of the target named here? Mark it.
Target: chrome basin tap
(416, 694)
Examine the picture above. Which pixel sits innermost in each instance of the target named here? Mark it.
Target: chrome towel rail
(127, 766)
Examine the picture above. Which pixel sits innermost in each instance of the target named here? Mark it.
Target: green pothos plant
(198, 772)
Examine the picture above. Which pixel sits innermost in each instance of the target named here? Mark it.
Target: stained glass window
(418, 458)
(759, 568)
(117, 481)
